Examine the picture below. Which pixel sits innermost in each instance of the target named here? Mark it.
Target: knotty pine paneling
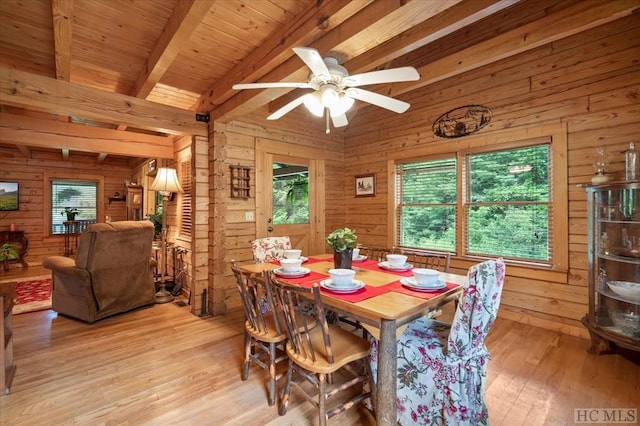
(590, 82)
(29, 172)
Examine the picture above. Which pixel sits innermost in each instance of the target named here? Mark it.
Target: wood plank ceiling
(130, 74)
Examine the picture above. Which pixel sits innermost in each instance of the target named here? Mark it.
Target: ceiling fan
(334, 90)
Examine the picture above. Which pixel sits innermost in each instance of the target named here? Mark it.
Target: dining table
(385, 302)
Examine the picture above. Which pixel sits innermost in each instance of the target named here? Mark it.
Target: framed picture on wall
(152, 165)
(366, 185)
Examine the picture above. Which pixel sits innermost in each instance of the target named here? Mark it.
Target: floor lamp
(166, 181)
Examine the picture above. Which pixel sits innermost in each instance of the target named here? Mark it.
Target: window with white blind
(185, 199)
(504, 209)
(427, 204)
(71, 194)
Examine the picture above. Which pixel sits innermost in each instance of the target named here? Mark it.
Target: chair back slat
(257, 302)
(378, 254)
(428, 259)
(290, 299)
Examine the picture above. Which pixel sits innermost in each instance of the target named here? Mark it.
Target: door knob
(269, 228)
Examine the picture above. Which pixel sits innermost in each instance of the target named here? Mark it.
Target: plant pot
(342, 259)
(71, 217)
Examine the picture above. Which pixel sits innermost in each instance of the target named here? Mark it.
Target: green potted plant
(342, 241)
(71, 213)
(7, 252)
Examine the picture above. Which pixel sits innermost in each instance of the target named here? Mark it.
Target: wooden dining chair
(441, 368)
(378, 254)
(264, 333)
(317, 352)
(428, 259)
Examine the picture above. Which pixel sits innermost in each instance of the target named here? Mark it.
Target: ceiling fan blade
(383, 76)
(313, 60)
(339, 120)
(380, 100)
(281, 84)
(285, 109)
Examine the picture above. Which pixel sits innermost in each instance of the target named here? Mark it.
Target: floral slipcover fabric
(441, 367)
(270, 248)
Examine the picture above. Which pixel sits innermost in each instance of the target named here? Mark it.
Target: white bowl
(292, 254)
(356, 253)
(342, 277)
(626, 289)
(291, 265)
(396, 259)
(425, 276)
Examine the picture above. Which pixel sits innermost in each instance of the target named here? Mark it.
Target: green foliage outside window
(506, 207)
(291, 200)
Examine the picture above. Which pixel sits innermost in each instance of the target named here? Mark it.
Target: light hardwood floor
(163, 366)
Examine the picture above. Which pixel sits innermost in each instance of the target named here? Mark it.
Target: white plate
(304, 258)
(328, 284)
(411, 283)
(360, 258)
(292, 274)
(386, 265)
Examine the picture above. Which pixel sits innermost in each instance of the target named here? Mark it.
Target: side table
(19, 241)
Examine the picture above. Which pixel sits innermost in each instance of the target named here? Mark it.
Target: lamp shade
(166, 180)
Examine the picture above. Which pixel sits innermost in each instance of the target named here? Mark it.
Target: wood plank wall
(590, 83)
(29, 172)
(234, 143)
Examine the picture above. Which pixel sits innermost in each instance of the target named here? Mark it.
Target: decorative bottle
(604, 243)
(632, 163)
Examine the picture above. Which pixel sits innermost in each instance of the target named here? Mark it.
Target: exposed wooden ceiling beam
(30, 91)
(185, 19)
(62, 11)
(569, 21)
(34, 132)
(302, 30)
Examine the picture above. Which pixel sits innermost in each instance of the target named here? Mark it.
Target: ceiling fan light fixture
(313, 102)
(329, 96)
(343, 105)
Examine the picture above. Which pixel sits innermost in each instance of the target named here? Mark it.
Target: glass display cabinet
(613, 319)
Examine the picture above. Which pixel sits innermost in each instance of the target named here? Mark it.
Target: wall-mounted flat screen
(9, 196)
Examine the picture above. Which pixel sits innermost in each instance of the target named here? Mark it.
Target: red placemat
(364, 293)
(399, 288)
(372, 265)
(313, 277)
(314, 260)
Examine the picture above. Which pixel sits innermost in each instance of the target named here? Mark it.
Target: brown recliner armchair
(110, 274)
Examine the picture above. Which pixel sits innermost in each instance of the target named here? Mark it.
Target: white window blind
(75, 195)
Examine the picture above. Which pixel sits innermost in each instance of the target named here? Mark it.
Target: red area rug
(33, 295)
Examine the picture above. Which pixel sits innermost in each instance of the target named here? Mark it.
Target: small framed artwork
(152, 166)
(366, 185)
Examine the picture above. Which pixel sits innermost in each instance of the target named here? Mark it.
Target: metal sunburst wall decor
(462, 121)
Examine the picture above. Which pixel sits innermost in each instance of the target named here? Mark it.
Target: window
(72, 194)
(503, 209)
(427, 204)
(290, 194)
(185, 199)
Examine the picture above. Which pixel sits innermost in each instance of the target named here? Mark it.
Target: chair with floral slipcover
(442, 367)
(269, 249)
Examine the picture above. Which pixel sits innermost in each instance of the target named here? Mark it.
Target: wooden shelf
(112, 199)
(240, 182)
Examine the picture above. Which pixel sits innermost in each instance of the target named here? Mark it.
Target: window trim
(555, 134)
(47, 179)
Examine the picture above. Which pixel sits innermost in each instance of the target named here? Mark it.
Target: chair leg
(322, 399)
(247, 356)
(372, 383)
(272, 373)
(282, 410)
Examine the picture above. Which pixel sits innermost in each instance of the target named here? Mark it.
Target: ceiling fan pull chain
(326, 114)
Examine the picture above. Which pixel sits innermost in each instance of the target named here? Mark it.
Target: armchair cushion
(111, 273)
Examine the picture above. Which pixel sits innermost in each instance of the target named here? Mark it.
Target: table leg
(387, 363)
